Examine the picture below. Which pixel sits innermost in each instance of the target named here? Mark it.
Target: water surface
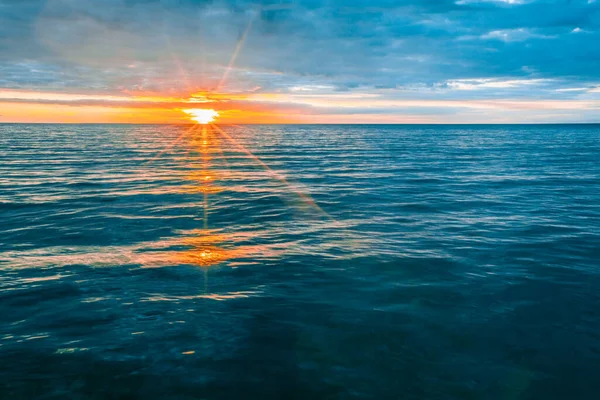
(338, 262)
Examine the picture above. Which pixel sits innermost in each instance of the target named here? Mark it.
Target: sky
(300, 61)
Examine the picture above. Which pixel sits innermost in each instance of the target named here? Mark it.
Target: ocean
(299, 262)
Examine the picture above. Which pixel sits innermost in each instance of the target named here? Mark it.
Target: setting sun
(202, 116)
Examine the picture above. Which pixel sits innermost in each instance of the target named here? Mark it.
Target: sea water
(299, 261)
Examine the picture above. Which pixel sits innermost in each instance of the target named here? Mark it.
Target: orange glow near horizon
(202, 116)
(197, 106)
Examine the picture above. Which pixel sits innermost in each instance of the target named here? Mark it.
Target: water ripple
(357, 261)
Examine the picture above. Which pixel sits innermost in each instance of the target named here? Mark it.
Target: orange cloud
(256, 107)
(57, 113)
(28, 106)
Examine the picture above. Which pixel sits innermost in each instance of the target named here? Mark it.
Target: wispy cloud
(515, 35)
(496, 83)
(376, 53)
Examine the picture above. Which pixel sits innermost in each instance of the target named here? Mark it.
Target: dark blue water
(264, 262)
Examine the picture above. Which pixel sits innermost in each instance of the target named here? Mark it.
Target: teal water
(331, 261)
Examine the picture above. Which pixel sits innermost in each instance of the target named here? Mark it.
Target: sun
(202, 116)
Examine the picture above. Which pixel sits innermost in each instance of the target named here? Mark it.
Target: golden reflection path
(206, 247)
(203, 250)
(206, 174)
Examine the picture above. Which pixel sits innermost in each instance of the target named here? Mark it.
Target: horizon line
(303, 123)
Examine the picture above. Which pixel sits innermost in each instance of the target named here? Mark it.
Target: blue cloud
(396, 48)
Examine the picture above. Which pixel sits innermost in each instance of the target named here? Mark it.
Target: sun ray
(172, 144)
(223, 159)
(183, 73)
(276, 175)
(236, 51)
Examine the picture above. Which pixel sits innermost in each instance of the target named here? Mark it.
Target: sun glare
(202, 116)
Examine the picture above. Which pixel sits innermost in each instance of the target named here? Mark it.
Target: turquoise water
(331, 261)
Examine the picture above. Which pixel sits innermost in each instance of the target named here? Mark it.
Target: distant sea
(300, 262)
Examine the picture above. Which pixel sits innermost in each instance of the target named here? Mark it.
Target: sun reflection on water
(207, 247)
(204, 252)
(209, 169)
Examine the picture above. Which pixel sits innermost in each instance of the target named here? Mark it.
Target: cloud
(515, 35)
(496, 83)
(395, 49)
